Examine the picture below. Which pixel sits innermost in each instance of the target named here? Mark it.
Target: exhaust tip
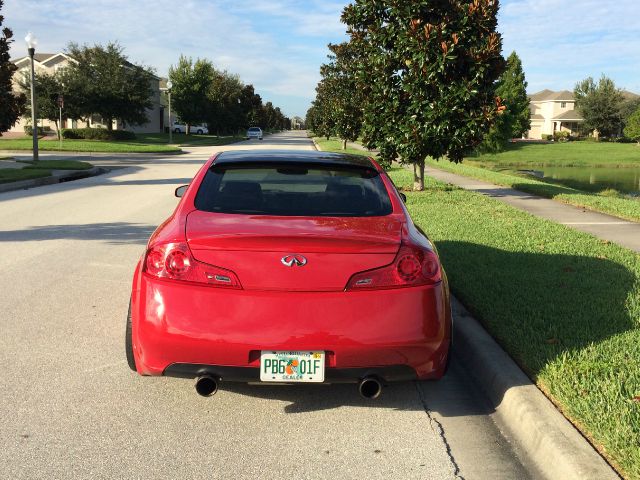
(370, 387)
(206, 386)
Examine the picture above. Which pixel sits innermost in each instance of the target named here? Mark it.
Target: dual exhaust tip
(369, 387)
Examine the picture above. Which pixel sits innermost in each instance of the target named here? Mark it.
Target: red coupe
(289, 266)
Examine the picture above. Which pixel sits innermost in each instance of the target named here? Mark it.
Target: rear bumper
(184, 329)
(388, 374)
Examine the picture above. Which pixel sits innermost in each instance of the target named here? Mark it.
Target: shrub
(41, 130)
(547, 137)
(97, 134)
(561, 136)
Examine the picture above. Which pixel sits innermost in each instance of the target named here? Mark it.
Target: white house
(51, 63)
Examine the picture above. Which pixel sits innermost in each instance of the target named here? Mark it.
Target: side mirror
(403, 197)
(180, 190)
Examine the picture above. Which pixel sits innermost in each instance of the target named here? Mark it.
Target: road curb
(63, 176)
(550, 441)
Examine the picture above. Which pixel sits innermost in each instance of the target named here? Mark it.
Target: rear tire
(199, 132)
(177, 130)
(128, 342)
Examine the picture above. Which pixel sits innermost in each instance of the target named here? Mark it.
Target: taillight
(173, 261)
(413, 266)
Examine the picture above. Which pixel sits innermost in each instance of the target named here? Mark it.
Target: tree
(48, 89)
(11, 103)
(340, 78)
(629, 106)
(428, 69)
(515, 120)
(225, 114)
(107, 84)
(191, 85)
(599, 104)
(632, 129)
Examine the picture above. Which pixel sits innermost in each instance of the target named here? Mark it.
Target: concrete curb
(60, 177)
(551, 442)
(67, 153)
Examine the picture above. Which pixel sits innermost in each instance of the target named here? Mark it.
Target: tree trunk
(418, 175)
(109, 122)
(344, 144)
(187, 129)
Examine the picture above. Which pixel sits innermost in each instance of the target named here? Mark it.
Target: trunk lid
(257, 248)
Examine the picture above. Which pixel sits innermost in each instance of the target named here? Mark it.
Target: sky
(278, 45)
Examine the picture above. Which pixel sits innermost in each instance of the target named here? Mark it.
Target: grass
(335, 145)
(565, 305)
(569, 154)
(8, 175)
(87, 146)
(188, 140)
(607, 201)
(58, 165)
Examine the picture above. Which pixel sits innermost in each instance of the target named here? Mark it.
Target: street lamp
(32, 42)
(169, 85)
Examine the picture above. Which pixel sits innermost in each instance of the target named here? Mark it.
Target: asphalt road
(71, 408)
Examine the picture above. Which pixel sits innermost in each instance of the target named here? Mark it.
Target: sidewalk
(603, 226)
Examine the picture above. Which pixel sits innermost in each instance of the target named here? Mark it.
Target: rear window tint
(293, 190)
(254, 129)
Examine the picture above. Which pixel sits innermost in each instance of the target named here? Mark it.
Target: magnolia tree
(427, 71)
(339, 77)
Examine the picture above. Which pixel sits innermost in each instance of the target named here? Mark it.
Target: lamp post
(32, 42)
(169, 85)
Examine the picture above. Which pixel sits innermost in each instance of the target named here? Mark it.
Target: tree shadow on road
(116, 233)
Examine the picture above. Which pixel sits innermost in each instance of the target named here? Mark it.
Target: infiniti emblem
(291, 260)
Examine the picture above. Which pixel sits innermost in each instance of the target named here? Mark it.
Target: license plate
(291, 366)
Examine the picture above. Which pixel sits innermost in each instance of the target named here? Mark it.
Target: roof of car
(292, 156)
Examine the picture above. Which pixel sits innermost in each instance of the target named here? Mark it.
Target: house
(555, 111)
(51, 63)
(552, 112)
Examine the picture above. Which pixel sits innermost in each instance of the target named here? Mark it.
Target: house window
(563, 105)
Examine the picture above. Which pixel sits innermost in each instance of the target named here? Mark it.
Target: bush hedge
(561, 136)
(41, 130)
(97, 134)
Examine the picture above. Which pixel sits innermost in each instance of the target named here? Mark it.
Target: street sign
(60, 101)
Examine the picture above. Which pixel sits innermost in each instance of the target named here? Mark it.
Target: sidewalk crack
(437, 427)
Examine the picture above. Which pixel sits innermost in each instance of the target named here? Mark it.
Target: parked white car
(179, 127)
(254, 132)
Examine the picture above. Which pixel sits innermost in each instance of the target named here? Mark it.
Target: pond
(591, 178)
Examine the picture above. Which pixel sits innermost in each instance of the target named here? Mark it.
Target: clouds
(561, 42)
(276, 45)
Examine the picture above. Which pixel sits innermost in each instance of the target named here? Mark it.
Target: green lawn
(564, 154)
(565, 305)
(186, 140)
(87, 146)
(8, 175)
(607, 202)
(335, 145)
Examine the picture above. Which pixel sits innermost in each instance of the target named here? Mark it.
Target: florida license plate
(291, 366)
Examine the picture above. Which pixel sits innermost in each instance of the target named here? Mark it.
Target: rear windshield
(254, 129)
(286, 190)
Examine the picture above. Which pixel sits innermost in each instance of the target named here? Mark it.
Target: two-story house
(50, 63)
(552, 112)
